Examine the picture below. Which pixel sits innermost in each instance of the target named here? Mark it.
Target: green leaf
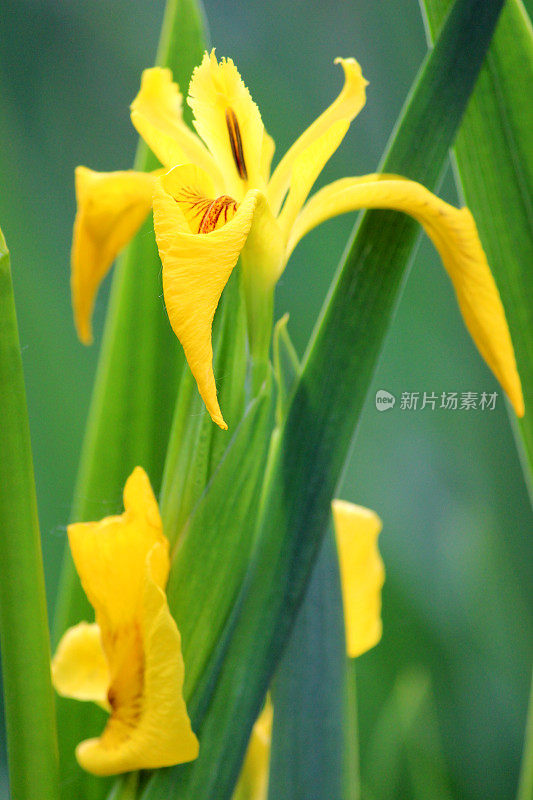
(494, 160)
(313, 751)
(133, 400)
(322, 416)
(24, 643)
(309, 693)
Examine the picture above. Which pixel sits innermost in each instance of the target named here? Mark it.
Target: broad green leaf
(322, 416)
(25, 647)
(494, 160)
(494, 153)
(309, 693)
(133, 401)
(313, 752)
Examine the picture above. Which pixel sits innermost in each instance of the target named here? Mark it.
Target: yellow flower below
(362, 574)
(219, 201)
(130, 660)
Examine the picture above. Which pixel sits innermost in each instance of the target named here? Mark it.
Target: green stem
(29, 703)
(260, 318)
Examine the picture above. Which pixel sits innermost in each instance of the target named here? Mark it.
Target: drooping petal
(229, 122)
(347, 105)
(79, 667)
(362, 574)
(111, 208)
(196, 267)
(157, 115)
(253, 780)
(149, 726)
(110, 556)
(454, 234)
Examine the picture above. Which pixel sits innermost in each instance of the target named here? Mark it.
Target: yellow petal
(253, 780)
(306, 168)
(454, 234)
(347, 105)
(156, 113)
(111, 208)
(79, 666)
(196, 267)
(229, 122)
(149, 726)
(110, 555)
(362, 574)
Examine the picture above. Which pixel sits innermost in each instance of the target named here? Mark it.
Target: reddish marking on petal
(212, 214)
(236, 143)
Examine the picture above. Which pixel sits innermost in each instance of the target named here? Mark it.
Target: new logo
(384, 400)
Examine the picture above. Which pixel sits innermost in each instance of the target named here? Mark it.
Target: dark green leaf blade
(494, 166)
(309, 694)
(313, 752)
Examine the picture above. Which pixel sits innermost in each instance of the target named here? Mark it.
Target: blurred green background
(451, 677)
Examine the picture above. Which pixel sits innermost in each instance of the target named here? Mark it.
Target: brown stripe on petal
(212, 217)
(236, 143)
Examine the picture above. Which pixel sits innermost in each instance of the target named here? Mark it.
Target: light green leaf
(322, 416)
(24, 643)
(494, 160)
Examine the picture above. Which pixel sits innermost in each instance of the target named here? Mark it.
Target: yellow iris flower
(129, 661)
(218, 200)
(362, 575)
